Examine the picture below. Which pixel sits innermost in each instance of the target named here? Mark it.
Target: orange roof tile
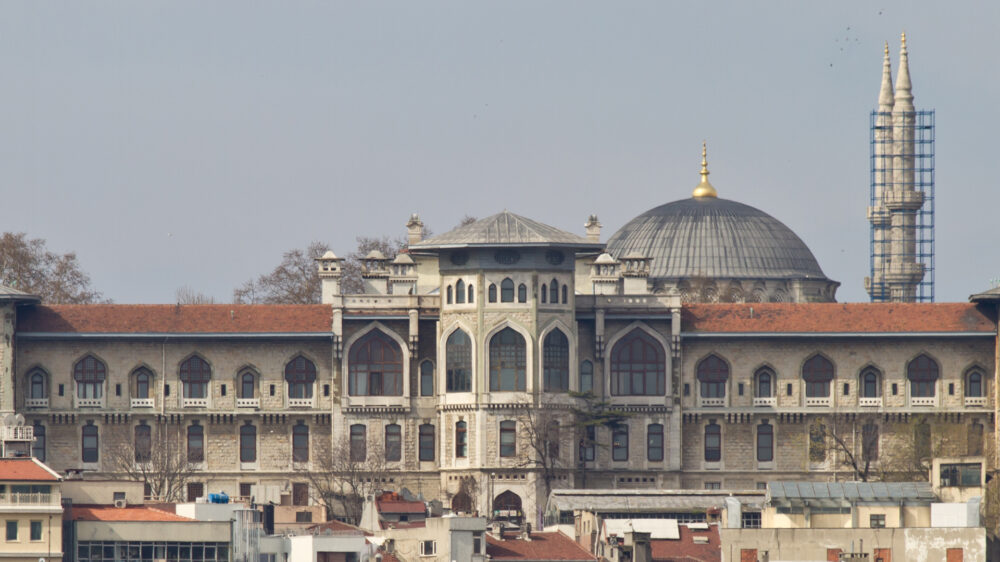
(175, 319)
(337, 527)
(130, 513)
(542, 546)
(26, 469)
(685, 549)
(401, 506)
(835, 318)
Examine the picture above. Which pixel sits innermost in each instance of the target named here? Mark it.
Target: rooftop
(27, 469)
(130, 513)
(505, 229)
(708, 549)
(542, 546)
(784, 493)
(610, 501)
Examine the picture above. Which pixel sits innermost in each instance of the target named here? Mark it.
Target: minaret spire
(885, 95)
(704, 189)
(904, 93)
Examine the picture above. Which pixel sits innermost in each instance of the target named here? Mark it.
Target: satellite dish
(8, 419)
(19, 420)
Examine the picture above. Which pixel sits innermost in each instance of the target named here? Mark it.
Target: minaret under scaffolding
(901, 210)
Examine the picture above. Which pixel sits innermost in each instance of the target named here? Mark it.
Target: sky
(189, 144)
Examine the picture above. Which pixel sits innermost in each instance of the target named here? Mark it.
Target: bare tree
(294, 281)
(543, 431)
(187, 295)
(27, 265)
(350, 281)
(343, 479)
(590, 413)
(154, 456)
(464, 221)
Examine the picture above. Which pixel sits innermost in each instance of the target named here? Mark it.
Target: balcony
(248, 402)
(17, 433)
(765, 402)
(27, 498)
(194, 402)
(923, 401)
(36, 402)
(301, 402)
(818, 401)
(89, 402)
(870, 402)
(142, 402)
(975, 401)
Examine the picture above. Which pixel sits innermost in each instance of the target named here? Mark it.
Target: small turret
(604, 274)
(403, 275)
(329, 276)
(593, 227)
(375, 273)
(414, 229)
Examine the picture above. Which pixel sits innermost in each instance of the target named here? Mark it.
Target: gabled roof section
(542, 546)
(835, 318)
(176, 319)
(505, 229)
(992, 295)
(130, 513)
(11, 294)
(800, 492)
(26, 470)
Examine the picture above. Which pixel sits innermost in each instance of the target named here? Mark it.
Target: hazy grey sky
(191, 143)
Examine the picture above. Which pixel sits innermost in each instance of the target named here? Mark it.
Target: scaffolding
(886, 153)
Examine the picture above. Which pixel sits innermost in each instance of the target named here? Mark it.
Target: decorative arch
(300, 376)
(141, 380)
(974, 381)
(89, 373)
(923, 372)
(664, 348)
(818, 372)
(384, 336)
(195, 373)
(461, 502)
(712, 372)
(765, 379)
(247, 381)
(443, 358)
(508, 506)
(870, 379)
(571, 337)
(529, 351)
(37, 381)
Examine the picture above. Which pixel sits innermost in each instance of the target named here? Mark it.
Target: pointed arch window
(248, 384)
(458, 362)
(545, 294)
(638, 366)
(375, 365)
(196, 443)
(449, 291)
(586, 376)
(554, 291)
(492, 291)
(713, 373)
(472, 294)
(507, 290)
(460, 292)
(508, 361)
(427, 378)
(89, 374)
(300, 442)
(817, 372)
(38, 387)
(764, 383)
(143, 381)
(565, 294)
(195, 376)
(143, 442)
(923, 374)
(871, 383)
(300, 374)
(393, 442)
(555, 361)
(522, 293)
(974, 387)
(248, 443)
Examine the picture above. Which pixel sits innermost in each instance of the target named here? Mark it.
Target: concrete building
(31, 509)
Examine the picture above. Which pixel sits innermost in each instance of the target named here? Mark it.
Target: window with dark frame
(508, 438)
(619, 443)
(974, 384)
(713, 442)
(764, 380)
(588, 445)
(36, 530)
(522, 293)
(300, 493)
(195, 490)
(195, 443)
(195, 374)
(143, 379)
(713, 373)
(507, 290)
(508, 361)
(248, 384)
(426, 442)
(37, 388)
(555, 361)
(89, 374)
(300, 442)
(586, 376)
(545, 293)
(460, 292)
(248, 443)
(12, 530)
(458, 362)
(359, 442)
(375, 365)
(38, 447)
(923, 374)
(765, 442)
(638, 366)
(871, 383)
(461, 440)
(143, 442)
(427, 378)
(654, 442)
(300, 374)
(393, 443)
(492, 293)
(817, 372)
(89, 445)
(877, 521)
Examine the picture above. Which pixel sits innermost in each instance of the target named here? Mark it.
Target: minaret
(878, 215)
(902, 199)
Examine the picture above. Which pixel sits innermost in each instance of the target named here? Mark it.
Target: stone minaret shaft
(878, 215)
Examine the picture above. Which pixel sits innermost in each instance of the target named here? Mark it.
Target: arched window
(425, 442)
(460, 292)
(461, 502)
(300, 374)
(461, 440)
(458, 366)
(555, 361)
(713, 442)
(89, 443)
(545, 293)
(923, 375)
(38, 447)
(507, 290)
(554, 291)
(472, 294)
(393, 443)
(522, 293)
(89, 374)
(248, 384)
(248, 443)
(654, 442)
(143, 379)
(195, 376)
(508, 438)
(765, 442)
(817, 372)
(765, 383)
(449, 290)
(871, 383)
(565, 291)
(359, 442)
(427, 378)
(492, 291)
(509, 503)
(713, 373)
(196, 443)
(375, 364)
(974, 384)
(300, 442)
(37, 387)
(586, 376)
(508, 360)
(638, 366)
(619, 442)
(143, 443)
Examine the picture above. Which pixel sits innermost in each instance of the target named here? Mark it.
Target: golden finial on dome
(704, 189)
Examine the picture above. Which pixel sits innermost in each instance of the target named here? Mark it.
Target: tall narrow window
(458, 357)
(923, 374)
(508, 361)
(248, 385)
(393, 443)
(300, 374)
(554, 291)
(522, 293)
(472, 293)
(869, 442)
(713, 442)
(89, 374)
(38, 447)
(507, 290)
(545, 293)
(871, 383)
(975, 440)
(89, 443)
(555, 358)
(508, 438)
(817, 442)
(765, 442)
(817, 372)
(426, 442)
(248, 443)
(619, 443)
(461, 440)
(375, 365)
(300, 442)
(195, 376)
(588, 445)
(460, 292)
(638, 366)
(565, 294)
(765, 383)
(492, 291)
(359, 442)
(713, 373)
(36, 385)
(143, 378)
(586, 376)
(195, 443)
(654, 442)
(427, 378)
(974, 384)
(552, 439)
(143, 442)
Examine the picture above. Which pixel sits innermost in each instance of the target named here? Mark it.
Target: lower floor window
(619, 443)
(12, 530)
(36, 530)
(428, 548)
(877, 521)
(113, 551)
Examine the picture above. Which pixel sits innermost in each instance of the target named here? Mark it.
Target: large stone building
(705, 330)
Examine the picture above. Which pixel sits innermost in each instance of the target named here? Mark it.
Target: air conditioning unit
(121, 503)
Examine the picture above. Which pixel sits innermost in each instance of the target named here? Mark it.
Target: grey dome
(715, 238)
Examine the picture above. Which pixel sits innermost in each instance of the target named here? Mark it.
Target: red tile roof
(26, 469)
(176, 319)
(686, 550)
(336, 527)
(834, 318)
(542, 546)
(130, 513)
(401, 506)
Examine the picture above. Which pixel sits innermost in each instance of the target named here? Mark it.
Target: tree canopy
(26, 264)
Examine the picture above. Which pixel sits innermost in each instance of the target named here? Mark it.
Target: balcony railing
(89, 402)
(765, 402)
(36, 402)
(248, 402)
(975, 401)
(818, 401)
(26, 498)
(923, 401)
(142, 402)
(17, 433)
(870, 401)
(301, 402)
(194, 402)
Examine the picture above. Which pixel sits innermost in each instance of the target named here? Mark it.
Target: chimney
(414, 229)
(593, 229)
